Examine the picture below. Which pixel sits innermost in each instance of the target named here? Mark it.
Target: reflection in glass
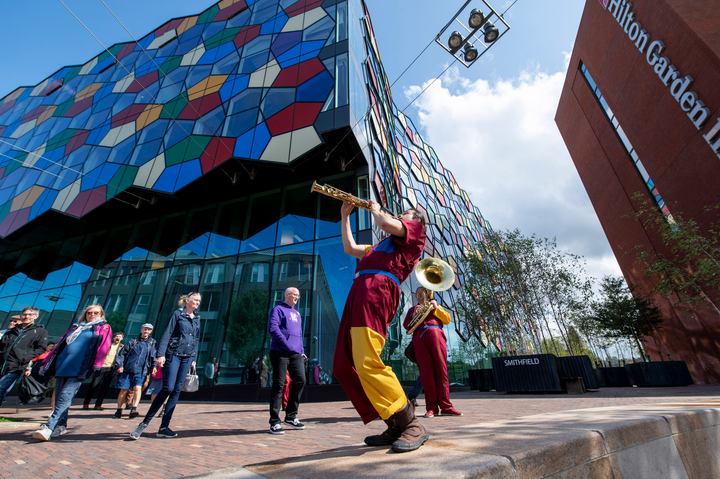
(243, 359)
(196, 235)
(298, 212)
(264, 211)
(328, 223)
(216, 290)
(334, 271)
(341, 80)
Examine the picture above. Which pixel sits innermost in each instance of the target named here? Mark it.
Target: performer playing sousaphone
(425, 322)
(372, 302)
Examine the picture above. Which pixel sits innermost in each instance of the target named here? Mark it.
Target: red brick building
(639, 112)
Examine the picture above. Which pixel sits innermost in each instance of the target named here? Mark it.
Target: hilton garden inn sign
(667, 73)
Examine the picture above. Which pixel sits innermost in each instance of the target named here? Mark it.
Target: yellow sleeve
(368, 247)
(442, 315)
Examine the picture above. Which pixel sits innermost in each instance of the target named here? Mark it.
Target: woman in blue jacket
(177, 353)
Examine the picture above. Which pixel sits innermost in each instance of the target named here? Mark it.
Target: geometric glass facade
(183, 162)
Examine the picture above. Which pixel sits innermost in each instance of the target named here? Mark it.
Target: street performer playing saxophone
(431, 353)
(372, 302)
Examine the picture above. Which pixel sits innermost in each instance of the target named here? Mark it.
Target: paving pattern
(217, 435)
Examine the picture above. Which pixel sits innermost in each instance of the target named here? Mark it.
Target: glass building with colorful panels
(183, 162)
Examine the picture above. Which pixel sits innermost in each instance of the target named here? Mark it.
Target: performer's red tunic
(371, 304)
(431, 353)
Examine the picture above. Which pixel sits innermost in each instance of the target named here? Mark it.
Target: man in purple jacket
(286, 354)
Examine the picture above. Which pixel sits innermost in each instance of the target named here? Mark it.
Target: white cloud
(502, 145)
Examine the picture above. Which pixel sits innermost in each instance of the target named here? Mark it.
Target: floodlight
(491, 32)
(476, 18)
(471, 52)
(455, 40)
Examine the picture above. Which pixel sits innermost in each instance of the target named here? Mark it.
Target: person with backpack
(133, 364)
(18, 346)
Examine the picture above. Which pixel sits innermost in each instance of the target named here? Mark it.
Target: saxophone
(333, 192)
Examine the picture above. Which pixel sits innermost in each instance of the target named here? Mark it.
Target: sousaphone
(434, 275)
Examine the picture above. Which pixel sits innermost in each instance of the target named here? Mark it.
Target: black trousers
(103, 378)
(295, 364)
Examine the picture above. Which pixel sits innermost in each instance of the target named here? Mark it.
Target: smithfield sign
(522, 362)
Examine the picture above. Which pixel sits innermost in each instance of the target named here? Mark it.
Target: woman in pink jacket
(79, 353)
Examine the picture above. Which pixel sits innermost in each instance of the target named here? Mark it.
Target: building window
(116, 302)
(148, 278)
(125, 276)
(625, 141)
(189, 274)
(283, 271)
(215, 273)
(260, 272)
(304, 270)
(303, 304)
(93, 299)
(103, 276)
(142, 303)
(210, 302)
(279, 296)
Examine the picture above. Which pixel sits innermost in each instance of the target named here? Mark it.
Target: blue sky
(492, 124)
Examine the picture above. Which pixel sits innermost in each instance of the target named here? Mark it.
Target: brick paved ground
(221, 435)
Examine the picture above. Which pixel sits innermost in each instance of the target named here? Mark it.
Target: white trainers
(295, 424)
(276, 429)
(137, 432)
(43, 434)
(59, 431)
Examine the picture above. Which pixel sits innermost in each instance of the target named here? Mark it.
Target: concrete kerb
(663, 440)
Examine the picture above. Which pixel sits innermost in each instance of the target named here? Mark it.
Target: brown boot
(413, 433)
(386, 438)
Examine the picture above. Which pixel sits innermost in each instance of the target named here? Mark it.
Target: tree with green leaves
(623, 312)
(117, 320)
(688, 269)
(515, 285)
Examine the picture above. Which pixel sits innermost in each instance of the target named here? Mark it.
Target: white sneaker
(276, 429)
(137, 432)
(59, 431)
(43, 434)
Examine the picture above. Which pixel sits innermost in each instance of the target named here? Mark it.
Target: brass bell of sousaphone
(434, 275)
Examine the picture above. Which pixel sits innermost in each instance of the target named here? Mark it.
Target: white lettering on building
(522, 362)
(668, 73)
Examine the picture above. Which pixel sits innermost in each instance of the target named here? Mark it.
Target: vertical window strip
(625, 141)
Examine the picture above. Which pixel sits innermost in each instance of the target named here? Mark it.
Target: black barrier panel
(533, 373)
(612, 378)
(666, 373)
(599, 378)
(579, 367)
(481, 379)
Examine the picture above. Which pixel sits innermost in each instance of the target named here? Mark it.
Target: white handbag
(191, 383)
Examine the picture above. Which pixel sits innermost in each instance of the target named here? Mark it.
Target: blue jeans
(416, 390)
(65, 390)
(174, 374)
(6, 384)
